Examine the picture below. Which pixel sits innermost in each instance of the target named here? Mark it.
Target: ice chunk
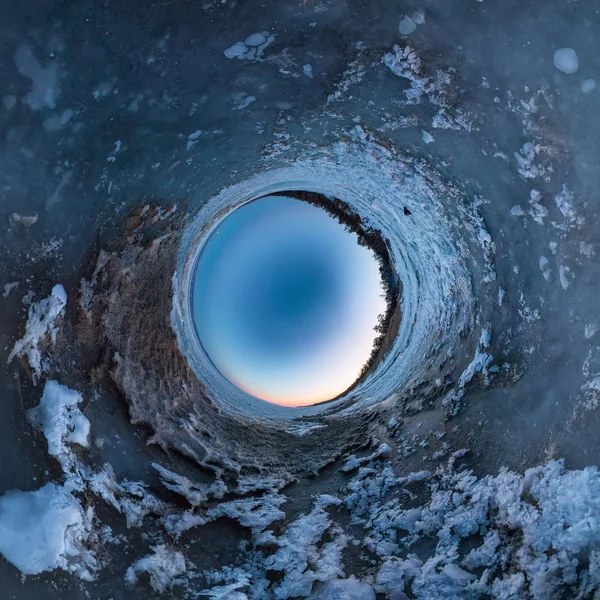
(59, 418)
(25, 220)
(344, 589)
(40, 326)
(193, 138)
(239, 49)
(427, 137)
(588, 85)
(407, 26)
(164, 566)
(243, 102)
(308, 70)
(255, 39)
(42, 530)
(565, 60)
(563, 275)
(301, 556)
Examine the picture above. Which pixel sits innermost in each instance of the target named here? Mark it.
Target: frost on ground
(404, 62)
(196, 494)
(505, 537)
(254, 513)
(300, 556)
(45, 530)
(528, 164)
(164, 566)
(443, 534)
(40, 329)
(533, 535)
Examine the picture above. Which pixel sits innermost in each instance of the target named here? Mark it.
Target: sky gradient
(285, 301)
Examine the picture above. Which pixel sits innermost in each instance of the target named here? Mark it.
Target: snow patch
(164, 566)
(39, 329)
(45, 530)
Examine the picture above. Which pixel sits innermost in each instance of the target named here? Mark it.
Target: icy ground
(475, 479)
(441, 534)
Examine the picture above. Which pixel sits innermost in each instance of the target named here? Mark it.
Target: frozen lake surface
(465, 465)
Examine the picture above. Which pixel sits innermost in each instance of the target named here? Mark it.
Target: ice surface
(44, 81)
(424, 531)
(40, 328)
(565, 60)
(43, 530)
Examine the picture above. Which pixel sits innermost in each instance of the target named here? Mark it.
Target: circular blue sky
(285, 301)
